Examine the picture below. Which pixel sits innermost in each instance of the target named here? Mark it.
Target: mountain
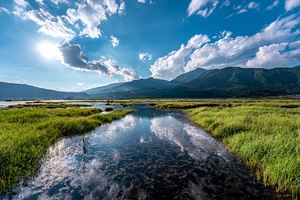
(22, 91)
(189, 76)
(141, 88)
(101, 88)
(200, 83)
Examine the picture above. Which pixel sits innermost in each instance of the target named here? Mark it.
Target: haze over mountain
(200, 83)
(22, 91)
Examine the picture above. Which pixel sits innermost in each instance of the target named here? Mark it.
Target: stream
(151, 154)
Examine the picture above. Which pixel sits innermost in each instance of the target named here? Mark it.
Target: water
(151, 154)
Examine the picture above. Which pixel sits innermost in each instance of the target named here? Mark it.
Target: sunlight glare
(49, 50)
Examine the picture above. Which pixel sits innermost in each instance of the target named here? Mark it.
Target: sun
(49, 50)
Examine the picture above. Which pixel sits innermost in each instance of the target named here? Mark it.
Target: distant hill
(137, 88)
(22, 91)
(200, 83)
(101, 88)
(189, 76)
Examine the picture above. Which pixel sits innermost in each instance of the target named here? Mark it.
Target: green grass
(178, 105)
(265, 137)
(25, 135)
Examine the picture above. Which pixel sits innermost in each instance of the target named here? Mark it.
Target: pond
(151, 154)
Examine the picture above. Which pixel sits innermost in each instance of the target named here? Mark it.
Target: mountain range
(12, 91)
(200, 83)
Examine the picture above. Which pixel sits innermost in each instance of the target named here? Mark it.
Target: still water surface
(151, 154)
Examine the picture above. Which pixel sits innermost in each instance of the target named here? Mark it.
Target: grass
(264, 134)
(181, 105)
(26, 134)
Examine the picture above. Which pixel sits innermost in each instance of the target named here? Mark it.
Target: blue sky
(76, 45)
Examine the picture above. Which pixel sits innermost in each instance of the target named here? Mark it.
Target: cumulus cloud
(142, 1)
(51, 25)
(273, 56)
(2, 9)
(234, 51)
(91, 13)
(145, 56)
(202, 7)
(170, 66)
(291, 4)
(114, 41)
(275, 3)
(229, 51)
(73, 57)
(127, 73)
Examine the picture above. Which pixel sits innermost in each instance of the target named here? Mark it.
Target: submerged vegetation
(25, 135)
(265, 134)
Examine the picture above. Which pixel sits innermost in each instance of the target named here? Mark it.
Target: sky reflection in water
(147, 155)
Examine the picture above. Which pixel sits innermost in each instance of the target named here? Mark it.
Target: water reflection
(151, 154)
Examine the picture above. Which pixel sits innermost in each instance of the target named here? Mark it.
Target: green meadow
(26, 134)
(264, 134)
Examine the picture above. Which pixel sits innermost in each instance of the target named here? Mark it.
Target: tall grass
(26, 134)
(265, 135)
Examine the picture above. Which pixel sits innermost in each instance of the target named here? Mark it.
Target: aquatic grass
(26, 134)
(266, 136)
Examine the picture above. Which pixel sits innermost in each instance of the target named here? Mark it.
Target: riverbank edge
(212, 125)
(50, 132)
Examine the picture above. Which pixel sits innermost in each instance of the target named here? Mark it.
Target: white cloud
(275, 3)
(91, 13)
(73, 57)
(230, 51)
(2, 9)
(22, 3)
(121, 10)
(114, 41)
(142, 1)
(51, 25)
(202, 7)
(234, 51)
(273, 56)
(225, 3)
(127, 73)
(145, 56)
(242, 11)
(170, 66)
(59, 1)
(237, 7)
(253, 5)
(291, 4)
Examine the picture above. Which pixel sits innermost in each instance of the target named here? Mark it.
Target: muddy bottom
(151, 154)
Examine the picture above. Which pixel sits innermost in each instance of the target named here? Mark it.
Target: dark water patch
(151, 154)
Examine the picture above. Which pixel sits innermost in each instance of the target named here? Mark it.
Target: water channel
(151, 154)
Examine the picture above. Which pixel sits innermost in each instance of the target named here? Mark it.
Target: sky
(74, 45)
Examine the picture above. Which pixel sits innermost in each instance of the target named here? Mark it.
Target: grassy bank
(26, 134)
(264, 134)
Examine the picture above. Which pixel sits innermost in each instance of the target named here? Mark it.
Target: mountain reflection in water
(151, 154)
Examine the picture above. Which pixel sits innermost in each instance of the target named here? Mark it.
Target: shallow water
(151, 154)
